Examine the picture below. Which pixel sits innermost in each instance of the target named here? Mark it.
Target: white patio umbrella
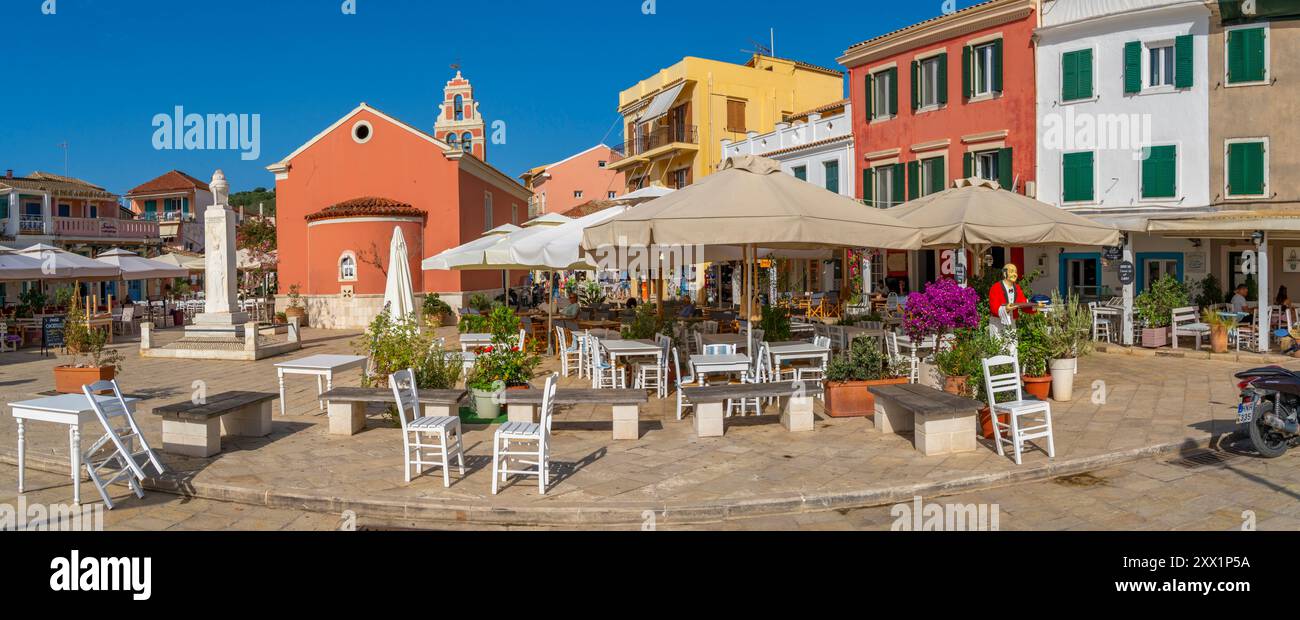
(17, 267)
(136, 267)
(398, 293)
(59, 264)
(189, 263)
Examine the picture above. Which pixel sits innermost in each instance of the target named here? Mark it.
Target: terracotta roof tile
(367, 207)
(170, 182)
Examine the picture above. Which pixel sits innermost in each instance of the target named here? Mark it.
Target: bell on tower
(460, 124)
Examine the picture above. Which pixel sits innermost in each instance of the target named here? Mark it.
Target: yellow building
(675, 120)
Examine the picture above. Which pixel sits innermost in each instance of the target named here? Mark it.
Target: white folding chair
(1100, 323)
(535, 448)
(681, 381)
(1018, 411)
(570, 353)
(123, 450)
(446, 429)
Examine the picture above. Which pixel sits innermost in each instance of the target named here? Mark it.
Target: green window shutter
(1183, 61)
(1077, 177)
(1005, 178)
(966, 88)
(1084, 86)
(893, 91)
(869, 186)
(943, 79)
(1132, 67)
(1070, 76)
(938, 176)
(913, 180)
(997, 65)
(916, 82)
(1246, 169)
(1246, 55)
(898, 184)
(968, 165)
(1160, 172)
(870, 90)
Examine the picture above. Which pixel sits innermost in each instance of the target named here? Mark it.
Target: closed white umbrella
(398, 293)
(58, 264)
(136, 267)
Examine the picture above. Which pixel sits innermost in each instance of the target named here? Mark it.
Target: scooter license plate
(1245, 413)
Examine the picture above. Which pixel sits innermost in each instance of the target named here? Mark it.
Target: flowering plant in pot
(963, 360)
(436, 311)
(1034, 348)
(91, 362)
(1069, 338)
(1155, 306)
(849, 374)
(942, 308)
(295, 305)
(394, 345)
(500, 366)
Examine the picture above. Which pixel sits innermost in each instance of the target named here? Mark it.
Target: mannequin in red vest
(1006, 301)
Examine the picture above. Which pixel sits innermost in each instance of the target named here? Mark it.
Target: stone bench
(521, 406)
(346, 406)
(191, 429)
(943, 423)
(710, 402)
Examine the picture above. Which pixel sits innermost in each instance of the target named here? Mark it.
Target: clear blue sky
(96, 72)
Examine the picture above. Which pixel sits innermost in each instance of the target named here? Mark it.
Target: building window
(982, 60)
(1160, 66)
(459, 108)
(1248, 55)
(928, 177)
(832, 170)
(882, 95)
(94, 211)
(1076, 75)
(736, 116)
(680, 179)
(348, 267)
(577, 193)
(65, 210)
(800, 172)
(467, 142)
(514, 213)
(453, 141)
(930, 82)
(362, 132)
(1160, 172)
(151, 209)
(986, 165)
(601, 164)
(487, 210)
(612, 195)
(1077, 177)
(1247, 173)
(883, 185)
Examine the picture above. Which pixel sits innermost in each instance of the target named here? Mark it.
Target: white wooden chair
(1100, 323)
(126, 321)
(652, 374)
(8, 341)
(526, 443)
(1017, 410)
(604, 372)
(1188, 323)
(122, 450)
(446, 429)
(570, 353)
(681, 380)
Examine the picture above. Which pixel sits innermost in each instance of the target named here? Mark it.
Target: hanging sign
(1111, 252)
(1127, 274)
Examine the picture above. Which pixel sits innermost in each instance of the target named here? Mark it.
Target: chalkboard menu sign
(1111, 252)
(1127, 274)
(52, 332)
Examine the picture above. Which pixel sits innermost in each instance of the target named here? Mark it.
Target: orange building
(340, 195)
(576, 180)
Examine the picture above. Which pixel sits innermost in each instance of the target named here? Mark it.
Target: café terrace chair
(123, 450)
(570, 351)
(445, 429)
(1017, 410)
(680, 381)
(526, 443)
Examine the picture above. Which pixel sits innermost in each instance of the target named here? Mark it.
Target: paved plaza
(1144, 406)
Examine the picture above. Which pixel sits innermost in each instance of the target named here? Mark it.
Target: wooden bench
(193, 429)
(943, 423)
(710, 402)
(521, 406)
(346, 406)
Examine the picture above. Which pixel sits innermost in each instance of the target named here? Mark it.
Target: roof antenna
(64, 145)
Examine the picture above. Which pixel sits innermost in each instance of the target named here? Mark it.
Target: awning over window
(661, 104)
(1279, 223)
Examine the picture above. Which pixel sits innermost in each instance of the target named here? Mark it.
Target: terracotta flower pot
(956, 386)
(1154, 338)
(301, 313)
(69, 379)
(986, 422)
(852, 399)
(1219, 339)
(1039, 387)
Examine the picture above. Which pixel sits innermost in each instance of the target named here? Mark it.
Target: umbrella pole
(749, 302)
(551, 346)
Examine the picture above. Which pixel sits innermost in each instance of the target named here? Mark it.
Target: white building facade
(815, 148)
(1123, 127)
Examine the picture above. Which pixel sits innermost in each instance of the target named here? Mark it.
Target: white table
(474, 341)
(632, 348)
(70, 410)
(720, 364)
(800, 351)
(322, 366)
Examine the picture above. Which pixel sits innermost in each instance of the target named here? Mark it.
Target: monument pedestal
(217, 326)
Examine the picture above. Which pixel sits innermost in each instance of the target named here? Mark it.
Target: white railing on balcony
(31, 225)
(105, 228)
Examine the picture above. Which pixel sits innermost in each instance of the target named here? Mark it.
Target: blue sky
(96, 72)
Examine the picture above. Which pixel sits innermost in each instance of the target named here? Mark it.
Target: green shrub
(864, 361)
(775, 324)
(1155, 305)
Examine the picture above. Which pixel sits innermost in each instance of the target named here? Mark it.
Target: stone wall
(337, 312)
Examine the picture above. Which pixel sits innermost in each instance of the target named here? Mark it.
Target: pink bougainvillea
(941, 308)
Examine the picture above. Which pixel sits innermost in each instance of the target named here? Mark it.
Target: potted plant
(1069, 338)
(397, 345)
(1033, 347)
(775, 324)
(436, 311)
(960, 360)
(943, 307)
(91, 362)
(500, 366)
(591, 295)
(296, 308)
(1220, 325)
(850, 374)
(1155, 306)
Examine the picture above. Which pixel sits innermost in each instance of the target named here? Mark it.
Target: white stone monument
(221, 318)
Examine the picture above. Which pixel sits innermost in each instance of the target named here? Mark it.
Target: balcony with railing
(657, 141)
(104, 228)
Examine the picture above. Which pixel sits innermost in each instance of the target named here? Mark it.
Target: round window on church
(362, 132)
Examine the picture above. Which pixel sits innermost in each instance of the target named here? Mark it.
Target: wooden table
(718, 364)
(322, 367)
(606, 334)
(709, 402)
(944, 423)
(70, 410)
(521, 406)
(590, 324)
(783, 352)
(740, 340)
(347, 405)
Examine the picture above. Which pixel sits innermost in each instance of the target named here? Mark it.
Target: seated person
(571, 311)
(631, 303)
(1239, 303)
(688, 308)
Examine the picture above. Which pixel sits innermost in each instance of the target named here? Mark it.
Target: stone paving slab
(1153, 405)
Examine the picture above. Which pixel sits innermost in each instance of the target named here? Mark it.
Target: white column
(1262, 314)
(1126, 324)
(47, 215)
(15, 214)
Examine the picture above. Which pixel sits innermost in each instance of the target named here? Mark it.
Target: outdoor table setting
(740, 341)
(599, 324)
(471, 341)
(632, 348)
(718, 364)
(70, 410)
(606, 334)
(792, 351)
(322, 367)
